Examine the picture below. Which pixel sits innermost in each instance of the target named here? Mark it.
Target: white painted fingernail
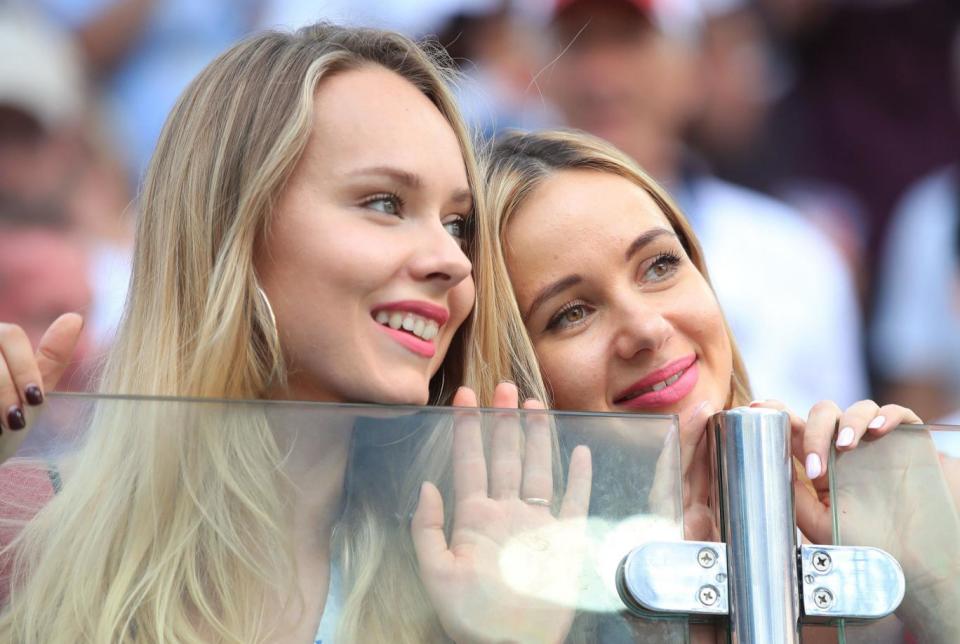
(845, 437)
(877, 422)
(814, 467)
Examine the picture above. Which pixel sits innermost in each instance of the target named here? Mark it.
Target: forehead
(373, 117)
(576, 218)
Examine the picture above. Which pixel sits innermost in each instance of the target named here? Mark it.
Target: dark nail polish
(15, 419)
(33, 395)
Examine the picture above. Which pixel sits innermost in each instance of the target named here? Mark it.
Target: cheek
(574, 372)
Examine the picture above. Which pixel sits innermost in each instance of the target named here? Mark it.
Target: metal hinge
(690, 578)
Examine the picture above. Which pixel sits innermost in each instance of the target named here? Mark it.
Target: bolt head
(708, 595)
(821, 561)
(823, 598)
(707, 557)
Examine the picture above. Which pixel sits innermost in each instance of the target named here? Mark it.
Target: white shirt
(916, 331)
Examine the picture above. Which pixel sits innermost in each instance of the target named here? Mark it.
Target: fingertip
(464, 397)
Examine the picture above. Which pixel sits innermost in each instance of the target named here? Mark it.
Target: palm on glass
(510, 569)
(25, 374)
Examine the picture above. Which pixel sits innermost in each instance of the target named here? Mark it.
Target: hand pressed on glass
(510, 569)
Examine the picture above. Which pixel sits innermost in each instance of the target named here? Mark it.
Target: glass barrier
(393, 523)
(901, 493)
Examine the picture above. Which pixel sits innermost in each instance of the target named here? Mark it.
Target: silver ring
(532, 500)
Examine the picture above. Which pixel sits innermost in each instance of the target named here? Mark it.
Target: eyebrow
(411, 181)
(644, 239)
(557, 287)
(564, 283)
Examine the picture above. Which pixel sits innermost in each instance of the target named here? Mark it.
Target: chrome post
(751, 450)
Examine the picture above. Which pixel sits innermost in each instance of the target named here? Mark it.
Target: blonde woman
(603, 291)
(304, 235)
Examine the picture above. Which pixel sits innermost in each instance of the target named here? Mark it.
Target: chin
(405, 395)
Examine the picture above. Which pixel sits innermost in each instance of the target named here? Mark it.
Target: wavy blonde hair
(514, 167)
(176, 527)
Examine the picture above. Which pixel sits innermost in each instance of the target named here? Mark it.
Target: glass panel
(901, 493)
(253, 519)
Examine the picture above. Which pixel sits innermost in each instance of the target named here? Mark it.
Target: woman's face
(363, 262)
(620, 318)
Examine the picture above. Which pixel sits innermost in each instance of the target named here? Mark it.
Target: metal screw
(821, 561)
(708, 595)
(808, 579)
(823, 598)
(707, 557)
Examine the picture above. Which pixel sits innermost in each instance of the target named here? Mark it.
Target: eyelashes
(663, 266)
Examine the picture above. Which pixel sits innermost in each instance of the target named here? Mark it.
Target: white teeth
(663, 384)
(659, 386)
(672, 379)
(418, 326)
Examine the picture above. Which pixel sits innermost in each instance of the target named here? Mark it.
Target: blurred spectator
(54, 160)
(145, 52)
(497, 47)
(628, 72)
(44, 272)
(916, 326)
(869, 108)
(916, 338)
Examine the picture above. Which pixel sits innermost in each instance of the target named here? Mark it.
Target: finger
(506, 467)
(469, 465)
(888, 418)
(693, 427)
(538, 454)
(853, 423)
(820, 429)
(576, 501)
(813, 518)
(465, 397)
(21, 383)
(666, 478)
(426, 528)
(55, 349)
(12, 411)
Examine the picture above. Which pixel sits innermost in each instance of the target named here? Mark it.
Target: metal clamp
(849, 581)
(681, 577)
(690, 578)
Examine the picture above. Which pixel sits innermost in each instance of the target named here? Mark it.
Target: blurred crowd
(814, 144)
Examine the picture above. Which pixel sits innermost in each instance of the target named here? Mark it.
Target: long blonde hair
(514, 167)
(173, 533)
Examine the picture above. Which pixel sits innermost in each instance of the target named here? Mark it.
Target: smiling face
(620, 318)
(364, 262)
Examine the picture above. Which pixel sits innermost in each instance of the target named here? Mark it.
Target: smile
(663, 387)
(413, 324)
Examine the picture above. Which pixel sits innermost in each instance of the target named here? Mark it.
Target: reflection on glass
(463, 524)
(901, 493)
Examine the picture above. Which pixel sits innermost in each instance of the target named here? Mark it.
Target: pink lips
(673, 393)
(419, 346)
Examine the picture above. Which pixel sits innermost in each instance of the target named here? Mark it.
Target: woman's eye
(387, 204)
(662, 267)
(568, 316)
(456, 227)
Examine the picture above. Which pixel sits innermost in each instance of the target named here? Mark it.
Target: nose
(439, 258)
(640, 327)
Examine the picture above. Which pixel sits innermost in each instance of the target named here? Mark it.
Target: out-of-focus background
(814, 144)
